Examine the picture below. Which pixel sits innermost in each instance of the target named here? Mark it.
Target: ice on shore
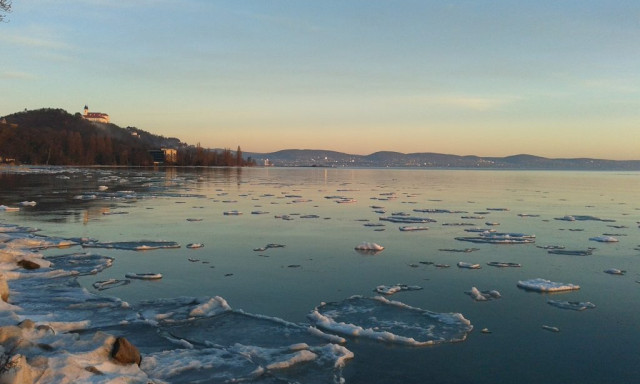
(392, 289)
(542, 285)
(390, 321)
(182, 340)
(573, 305)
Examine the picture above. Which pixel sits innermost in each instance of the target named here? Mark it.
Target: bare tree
(5, 7)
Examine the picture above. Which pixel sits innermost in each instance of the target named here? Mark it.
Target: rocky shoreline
(41, 351)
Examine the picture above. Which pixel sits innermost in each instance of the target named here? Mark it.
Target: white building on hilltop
(97, 117)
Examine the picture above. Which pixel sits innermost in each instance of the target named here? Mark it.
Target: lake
(278, 245)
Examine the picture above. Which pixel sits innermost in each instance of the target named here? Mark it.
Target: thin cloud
(33, 42)
(16, 75)
(471, 103)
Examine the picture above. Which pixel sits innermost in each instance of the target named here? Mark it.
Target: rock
(10, 336)
(28, 264)
(27, 324)
(94, 370)
(125, 353)
(4, 288)
(16, 371)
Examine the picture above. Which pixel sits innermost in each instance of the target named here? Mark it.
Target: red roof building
(97, 117)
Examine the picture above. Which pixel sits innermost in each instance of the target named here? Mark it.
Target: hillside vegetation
(55, 137)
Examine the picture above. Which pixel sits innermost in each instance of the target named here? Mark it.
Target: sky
(554, 78)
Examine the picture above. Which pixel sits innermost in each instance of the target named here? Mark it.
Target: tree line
(55, 137)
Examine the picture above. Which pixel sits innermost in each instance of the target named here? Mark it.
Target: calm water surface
(318, 262)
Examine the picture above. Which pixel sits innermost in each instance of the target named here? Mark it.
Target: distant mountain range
(321, 158)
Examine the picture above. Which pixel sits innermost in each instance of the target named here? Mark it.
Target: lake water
(301, 209)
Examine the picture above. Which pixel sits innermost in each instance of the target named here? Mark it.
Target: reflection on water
(318, 262)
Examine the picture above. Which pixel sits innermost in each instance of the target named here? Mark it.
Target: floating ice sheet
(391, 289)
(407, 219)
(604, 239)
(81, 263)
(142, 245)
(368, 246)
(390, 321)
(183, 340)
(497, 240)
(542, 285)
(573, 305)
(478, 295)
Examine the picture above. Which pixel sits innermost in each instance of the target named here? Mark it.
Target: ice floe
(462, 264)
(542, 285)
(457, 250)
(573, 305)
(390, 321)
(503, 264)
(499, 238)
(108, 284)
(561, 251)
(582, 218)
(392, 289)
(412, 228)
(71, 334)
(407, 219)
(615, 271)
(269, 246)
(143, 245)
(366, 246)
(604, 239)
(478, 295)
(144, 276)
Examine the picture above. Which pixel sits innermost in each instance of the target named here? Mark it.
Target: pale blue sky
(493, 78)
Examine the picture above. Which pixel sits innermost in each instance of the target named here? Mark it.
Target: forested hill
(55, 137)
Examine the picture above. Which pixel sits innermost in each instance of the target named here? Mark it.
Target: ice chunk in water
(574, 305)
(483, 295)
(542, 285)
(390, 321)
(81, 263)
(462, 264)
(366, 246)
(143, 245)
(390, 290)
(604, 239)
